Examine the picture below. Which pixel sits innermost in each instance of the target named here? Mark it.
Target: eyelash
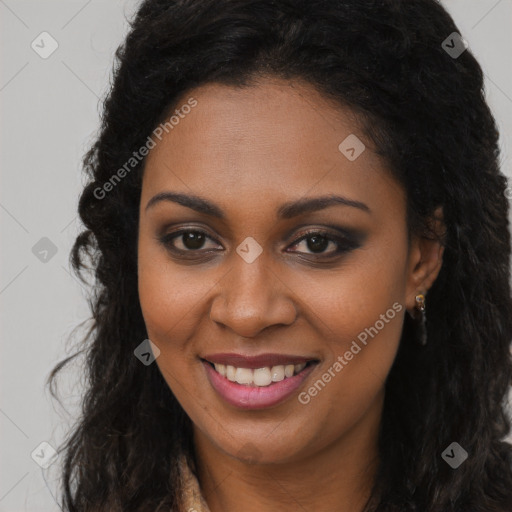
(344, 244)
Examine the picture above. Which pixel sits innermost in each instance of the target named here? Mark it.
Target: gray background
(49, 117)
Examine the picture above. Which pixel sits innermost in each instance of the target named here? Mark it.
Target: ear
(425, 259)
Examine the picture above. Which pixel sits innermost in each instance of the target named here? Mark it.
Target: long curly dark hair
(426, 112)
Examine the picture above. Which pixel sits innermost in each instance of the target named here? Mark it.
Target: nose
(251, 298)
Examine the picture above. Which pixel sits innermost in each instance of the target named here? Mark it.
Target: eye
(318, 241)
(186, 240)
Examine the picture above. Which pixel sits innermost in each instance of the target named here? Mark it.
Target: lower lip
(255, 397)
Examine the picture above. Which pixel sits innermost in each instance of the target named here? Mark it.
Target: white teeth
(277, 373)
(230, 373)
(260, 376)
(221, 368)
(299, 367)
(288, 370)
(244, 376)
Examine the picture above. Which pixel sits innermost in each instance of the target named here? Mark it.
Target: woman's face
(241, 278)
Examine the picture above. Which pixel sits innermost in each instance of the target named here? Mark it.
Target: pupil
(193, 240)
(317, 243)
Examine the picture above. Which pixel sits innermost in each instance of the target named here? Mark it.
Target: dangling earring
(420, 320)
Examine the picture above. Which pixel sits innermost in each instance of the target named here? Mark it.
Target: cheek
(359, 313)
(353, 297)
(168, 298)
(170, 304)
(361, 346)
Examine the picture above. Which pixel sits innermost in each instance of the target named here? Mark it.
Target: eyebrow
(286, 211)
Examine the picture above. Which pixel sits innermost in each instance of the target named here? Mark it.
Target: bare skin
(248, 151)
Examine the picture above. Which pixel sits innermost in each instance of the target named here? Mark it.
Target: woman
(299, 233)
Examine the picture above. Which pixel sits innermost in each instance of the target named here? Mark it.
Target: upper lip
(258, 361)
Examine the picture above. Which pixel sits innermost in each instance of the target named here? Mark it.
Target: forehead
(274, 139)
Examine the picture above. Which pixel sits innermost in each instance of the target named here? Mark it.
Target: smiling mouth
(260, 377)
